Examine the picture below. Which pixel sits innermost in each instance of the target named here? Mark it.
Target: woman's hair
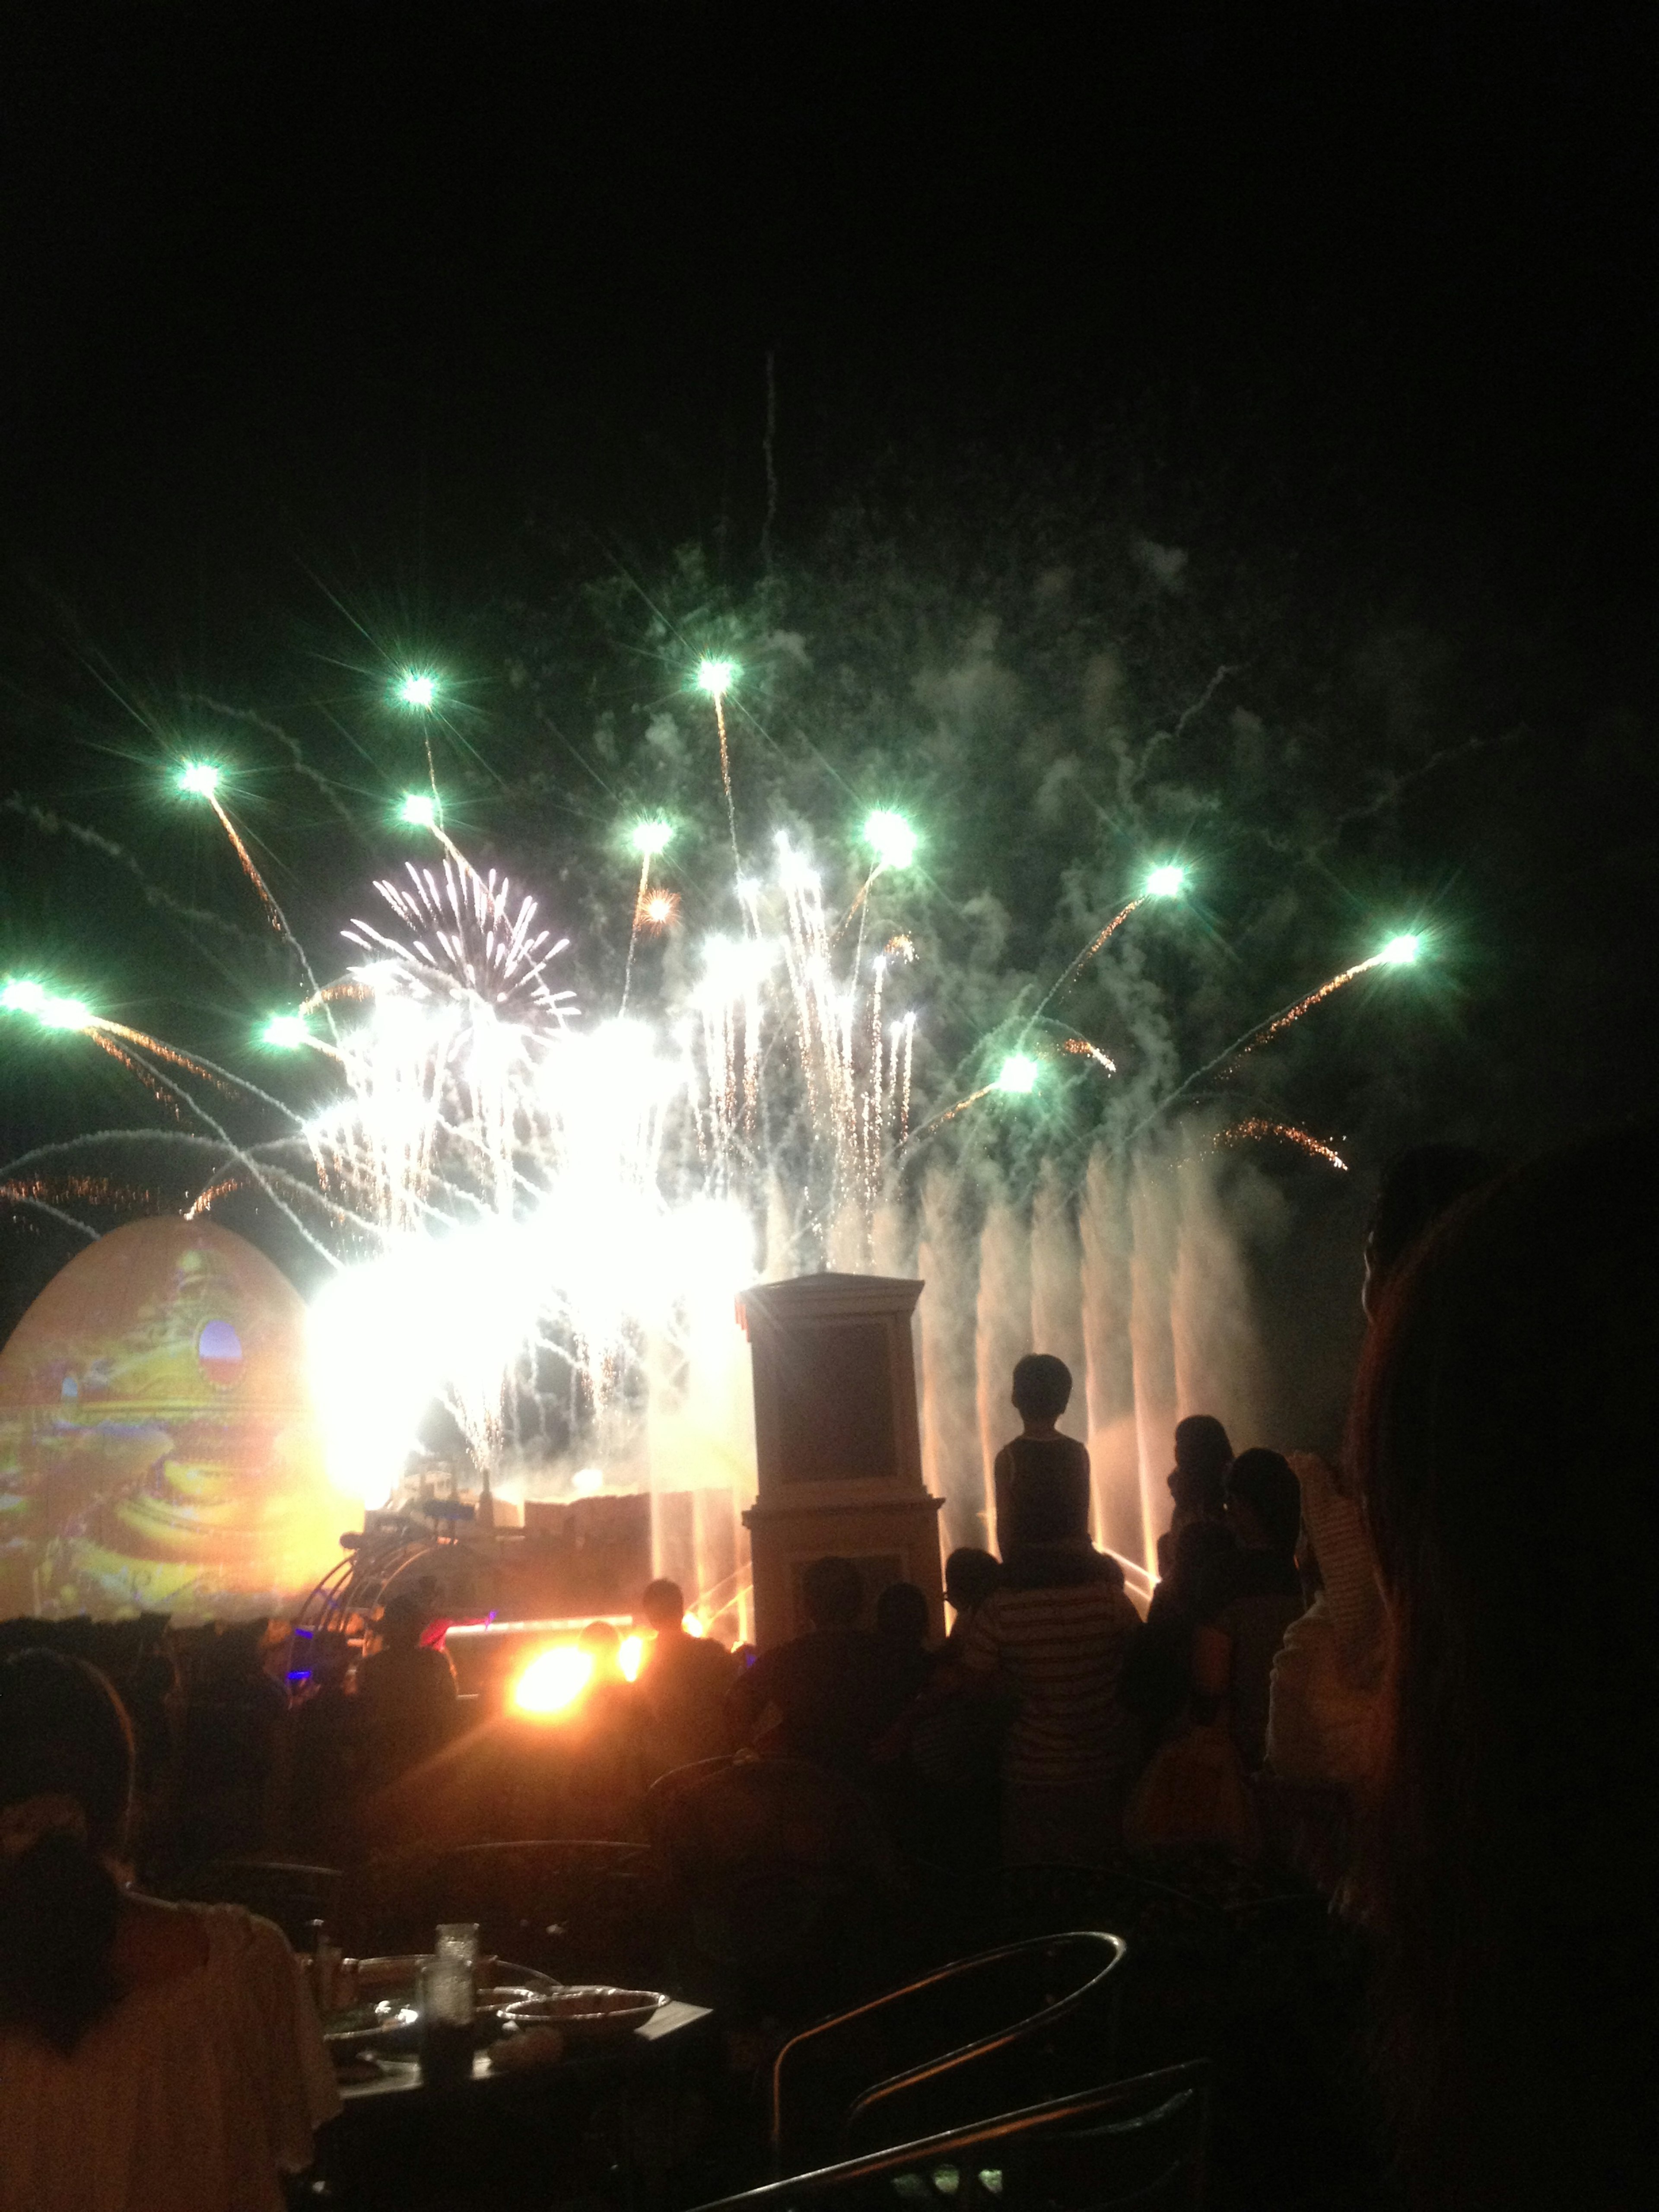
(1042, 1386)
(1201, 1453)
(1502, 1439)
(1416, 1187)
(66, 1780)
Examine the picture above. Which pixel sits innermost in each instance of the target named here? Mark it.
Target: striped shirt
(1061, 1652)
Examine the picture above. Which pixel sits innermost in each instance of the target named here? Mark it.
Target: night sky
(362, 291)
(324, 323)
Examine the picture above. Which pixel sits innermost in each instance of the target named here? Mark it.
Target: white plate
(587, 2012)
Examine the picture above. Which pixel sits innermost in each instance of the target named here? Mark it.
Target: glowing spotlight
(1019, 1075)
(420, 811)
(553, 1681)
(650, 838)
(419, 691)
(19, 996)
(630, 1653)
(65, 1014)
(199, 778)
(716, 678)
(587, 1481)
(692, 1626)
(1167, 882)
(286, 1030)
(1401, 951)
(890, 838)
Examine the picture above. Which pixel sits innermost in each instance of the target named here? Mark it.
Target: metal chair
(783, 1890)
(982, 2034)
(1137, 2143)
(292, 1895)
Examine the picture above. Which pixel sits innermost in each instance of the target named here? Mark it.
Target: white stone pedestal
(838, 1444)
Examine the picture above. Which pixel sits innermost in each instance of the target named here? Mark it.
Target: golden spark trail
(633, 930)
(148, 1043)
(1084, 1050)
(748, 898)
(348, 987)
(1245, 1131)
(1279, 1023)
(16, 1193)
(950, 1112)
(159, 1089)
(202, 1202)
(91, 1190)
(1094, 945)
(858, 905)
(726, 773)
(873, 1132)
(274, 914)
(1242, 1047)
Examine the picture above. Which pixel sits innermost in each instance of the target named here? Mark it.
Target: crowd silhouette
(1410, 1684)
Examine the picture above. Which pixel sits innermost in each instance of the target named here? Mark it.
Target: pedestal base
(891, 1540)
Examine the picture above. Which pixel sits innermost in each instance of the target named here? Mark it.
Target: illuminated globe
(158, 1447)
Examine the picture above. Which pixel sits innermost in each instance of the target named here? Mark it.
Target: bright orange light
(692, 1626)
(629, 1656)
(553, 1681)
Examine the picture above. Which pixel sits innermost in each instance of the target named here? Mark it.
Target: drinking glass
(458, 1939)
(445, 2006)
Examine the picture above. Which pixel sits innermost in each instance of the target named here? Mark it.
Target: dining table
(597, 2125)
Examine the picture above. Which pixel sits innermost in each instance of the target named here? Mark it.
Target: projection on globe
(158, 1446)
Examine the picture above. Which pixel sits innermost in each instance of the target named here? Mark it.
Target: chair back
(292, 1895)
(1138, 2143)
(781, 1881)
(989, 2033)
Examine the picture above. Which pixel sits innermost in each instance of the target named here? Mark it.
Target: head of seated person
(833, 1593)
(66, 1765)
(1042, 1389)
(970, 1575)
(402, 1621)
(662, 1608)
(1263, 1501)
(602, 1640)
